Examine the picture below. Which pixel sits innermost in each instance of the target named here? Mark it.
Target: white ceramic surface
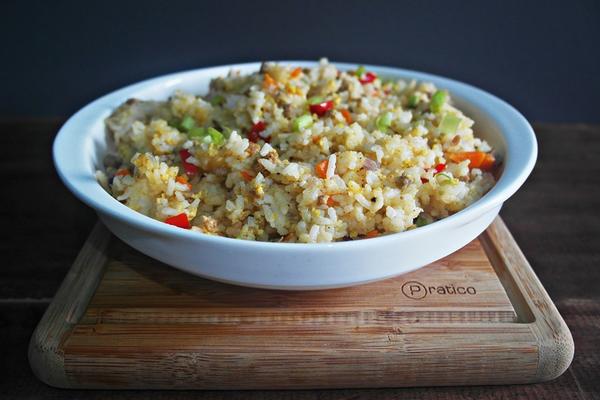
(81, 143)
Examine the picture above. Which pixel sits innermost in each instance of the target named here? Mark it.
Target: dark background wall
(541, 56)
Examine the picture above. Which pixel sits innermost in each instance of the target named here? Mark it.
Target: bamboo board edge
(45, 353)
(556, 348)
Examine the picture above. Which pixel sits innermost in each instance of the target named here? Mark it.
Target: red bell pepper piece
(258, 127)
(190, 169)
(367, 77)
(321, 108)
(180, 220)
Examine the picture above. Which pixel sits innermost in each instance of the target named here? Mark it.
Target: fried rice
(298, 155)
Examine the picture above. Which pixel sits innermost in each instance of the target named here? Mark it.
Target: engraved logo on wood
(416, 290)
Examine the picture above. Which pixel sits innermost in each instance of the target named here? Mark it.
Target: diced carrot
(184, 181)
(268, 81)
(346, 115)
(122, 172)
(476, 158)
(316, 139)
(321, 168)
(488, 162)
(247, 175)
(331, 202)
(372, 234)
(296, 73)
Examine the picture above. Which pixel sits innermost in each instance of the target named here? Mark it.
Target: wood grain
(138, 289)
(450, 323)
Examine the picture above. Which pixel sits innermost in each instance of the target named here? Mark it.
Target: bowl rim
(71, 165)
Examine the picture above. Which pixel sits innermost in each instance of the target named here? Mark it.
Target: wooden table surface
(555, 218)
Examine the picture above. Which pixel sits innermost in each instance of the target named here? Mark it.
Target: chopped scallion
(217, 137)
(187, 123)
(449, 124)
(302, 122)
(197, 132)
(413, 100)
(437, 101)
(384, 121)
(360, 71)
(316, 100)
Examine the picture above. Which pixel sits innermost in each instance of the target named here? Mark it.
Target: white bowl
(81, 143)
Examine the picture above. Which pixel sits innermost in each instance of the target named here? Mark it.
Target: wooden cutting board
(123, 320)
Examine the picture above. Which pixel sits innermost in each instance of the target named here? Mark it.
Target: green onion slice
(188, 123)
(413, 100)
(449, 124)
(217, 137)
(316, 100)
(438, 99)
(384, 121)
(197, 132)
(302, 122)
(360, 71)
